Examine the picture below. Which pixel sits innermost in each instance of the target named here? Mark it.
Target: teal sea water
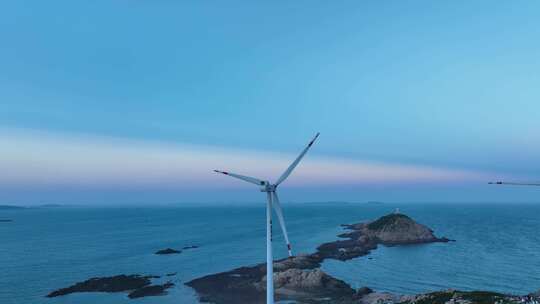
(497, 247)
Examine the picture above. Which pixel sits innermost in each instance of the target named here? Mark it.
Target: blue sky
(422, 86)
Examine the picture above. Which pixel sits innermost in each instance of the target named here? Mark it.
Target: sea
(497, 247)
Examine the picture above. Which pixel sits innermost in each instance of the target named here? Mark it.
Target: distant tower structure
(396, 211)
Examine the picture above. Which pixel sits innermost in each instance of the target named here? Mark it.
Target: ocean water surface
(497, 247)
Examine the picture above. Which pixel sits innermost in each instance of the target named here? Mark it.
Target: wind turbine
(514, 184)
(273, 201)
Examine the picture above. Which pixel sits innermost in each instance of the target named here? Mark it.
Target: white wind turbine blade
(514, 184)
(295, 162)
(279, 213)
(243, 177)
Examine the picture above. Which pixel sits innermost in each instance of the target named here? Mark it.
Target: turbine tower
(273, 202)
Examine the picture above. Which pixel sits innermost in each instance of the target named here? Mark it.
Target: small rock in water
(190, 247)
(152, 290)
(168, 251)
(171, 274)
(107, 284)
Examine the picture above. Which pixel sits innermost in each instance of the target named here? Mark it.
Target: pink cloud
(36, 158)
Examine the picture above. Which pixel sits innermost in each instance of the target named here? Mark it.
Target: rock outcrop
(380, 298)
(151, 290)
(458, 297)
(448, 297)
(117, 283)
(310, 285)
(301, 261)
(248, 285)
(236, 286)
(168, 251)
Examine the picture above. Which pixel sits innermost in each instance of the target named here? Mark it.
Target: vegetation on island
(456, 296)
(387, 220)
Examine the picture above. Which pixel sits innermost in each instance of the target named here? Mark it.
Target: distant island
(10, 207)
(50, 206)
(13, 207)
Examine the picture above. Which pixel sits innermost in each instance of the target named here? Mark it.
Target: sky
(119, 102)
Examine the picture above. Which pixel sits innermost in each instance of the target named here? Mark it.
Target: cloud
(46, 159)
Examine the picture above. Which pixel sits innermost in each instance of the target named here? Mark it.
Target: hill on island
(399, 229)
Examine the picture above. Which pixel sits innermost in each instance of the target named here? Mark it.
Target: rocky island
(300, 279)
(175, 251)
(168, 251)
(137, 286)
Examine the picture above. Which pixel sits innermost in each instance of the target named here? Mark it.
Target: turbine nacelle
(267, 187)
